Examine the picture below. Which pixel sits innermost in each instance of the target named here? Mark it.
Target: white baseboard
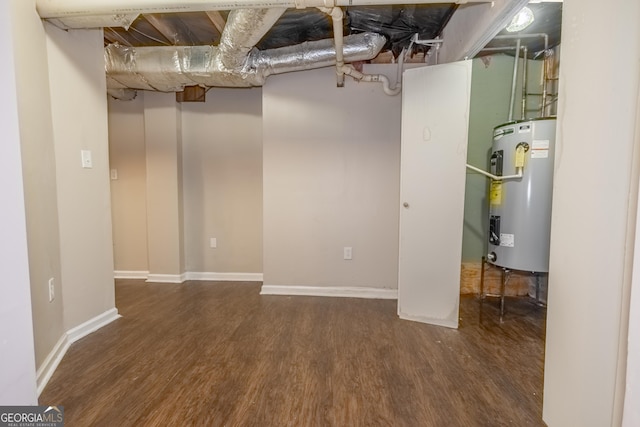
(321, 291)
(124, 274)
(226, 277)
(92, 325)
(429, 320)
(166, 278)
(48, 367)
(196, 275)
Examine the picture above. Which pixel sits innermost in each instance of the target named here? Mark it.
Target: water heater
(520, 208)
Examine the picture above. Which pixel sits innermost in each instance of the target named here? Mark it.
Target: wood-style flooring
(220, 354)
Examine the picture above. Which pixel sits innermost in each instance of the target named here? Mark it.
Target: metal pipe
(525, 65)
(544, 63)
(512, 100)
(544, 84)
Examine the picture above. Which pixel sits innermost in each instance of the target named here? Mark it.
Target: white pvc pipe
(338, 36)
(342, 69)
(496, 177)
(70, 8)
(400, 66)
(381, 78)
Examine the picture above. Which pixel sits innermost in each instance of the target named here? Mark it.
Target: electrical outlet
(348, 252)
(213, 242)
(52, 289)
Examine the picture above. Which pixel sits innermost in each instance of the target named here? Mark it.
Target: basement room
(304, 212)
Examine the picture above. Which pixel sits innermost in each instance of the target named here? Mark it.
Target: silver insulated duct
(235, 62)
(171, 68)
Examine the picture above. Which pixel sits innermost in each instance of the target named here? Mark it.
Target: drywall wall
(127, 158)
(631, 415)
(594, 212)
(490, 93)
(18, 372)
(79, 111)
(222, 187)
(331, 162)
(163, 142)
(39, 171)
(216, 166)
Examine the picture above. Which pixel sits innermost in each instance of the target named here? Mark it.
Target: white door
(435, 116)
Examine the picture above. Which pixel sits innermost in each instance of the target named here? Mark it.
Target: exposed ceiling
(170, 45)
(398, 23)
(548, 20)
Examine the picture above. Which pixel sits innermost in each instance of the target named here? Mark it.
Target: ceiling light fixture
(522, 20)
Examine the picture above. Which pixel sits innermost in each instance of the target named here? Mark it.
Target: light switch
(114, 174)
(87, 163)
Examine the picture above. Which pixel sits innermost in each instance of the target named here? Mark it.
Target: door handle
(406, 205)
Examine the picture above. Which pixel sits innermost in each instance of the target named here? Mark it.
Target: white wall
(18, 373)
(594, 211)
(331, 179)
(222, 187)
(631, 417)
(221, 173)
(39, 172)
(129, 191)
(163, 142)
(79, 111)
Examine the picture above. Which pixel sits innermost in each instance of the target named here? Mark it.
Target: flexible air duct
(170, 68)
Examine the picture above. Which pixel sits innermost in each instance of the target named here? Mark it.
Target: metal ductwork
(235, 62)
(171, 68)
(243, 30)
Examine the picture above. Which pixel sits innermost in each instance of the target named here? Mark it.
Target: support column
(163, 142)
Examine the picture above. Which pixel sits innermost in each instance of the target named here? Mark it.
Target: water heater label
(540, 144)
(540, 149)
(524, 128)
(507, 240)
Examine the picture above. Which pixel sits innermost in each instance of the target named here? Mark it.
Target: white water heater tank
(520, 209)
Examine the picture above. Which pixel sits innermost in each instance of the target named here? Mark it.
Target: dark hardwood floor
(219, 354)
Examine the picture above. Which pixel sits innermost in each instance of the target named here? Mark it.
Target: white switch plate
(52, 289)
(114, 174)
(213, 242)
(348, 252)
(87, 162)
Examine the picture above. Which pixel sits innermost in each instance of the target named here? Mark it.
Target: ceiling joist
(164, 27)
(113, 37)
(216, 19)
